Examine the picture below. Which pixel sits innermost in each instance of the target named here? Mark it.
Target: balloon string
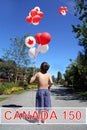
(34, 69)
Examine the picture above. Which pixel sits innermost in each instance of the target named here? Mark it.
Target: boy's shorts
(43, 100)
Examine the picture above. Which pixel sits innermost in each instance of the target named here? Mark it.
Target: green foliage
(70, 75)
(21, 83)
(12, 90)
(54, 79)
(80, 6)
(3, 98)
(9, 88)
(81, 29)
(59, 78)
(5, 86)
(32, 86)
(7, 65)
(17, 52)
(1, 92)
(82, 94)
(76, 72)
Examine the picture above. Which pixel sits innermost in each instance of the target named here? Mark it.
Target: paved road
(60, 97)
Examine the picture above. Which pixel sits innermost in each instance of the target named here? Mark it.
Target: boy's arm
(33, 78)
(50, 82)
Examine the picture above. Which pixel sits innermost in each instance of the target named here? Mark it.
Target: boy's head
(44, 67)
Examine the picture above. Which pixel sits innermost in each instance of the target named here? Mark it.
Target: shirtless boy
(44, 83)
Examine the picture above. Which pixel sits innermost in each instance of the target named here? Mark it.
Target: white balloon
(37, 8)
(33, 52)
(43, 48)
(31, 40)
(63, 12)
(35, 23)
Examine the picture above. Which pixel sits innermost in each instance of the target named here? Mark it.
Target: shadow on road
(62, 93)
(12, 106)
(28, 118)
(31, 120)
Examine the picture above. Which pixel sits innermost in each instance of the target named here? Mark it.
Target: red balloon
(36, 19)
(41, 14)
(33, 13)
(45, 38)
(37, 38)
(28, 19)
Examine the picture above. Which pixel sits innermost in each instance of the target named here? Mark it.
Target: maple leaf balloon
(30, 41)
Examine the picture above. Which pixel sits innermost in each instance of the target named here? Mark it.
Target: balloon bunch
(40, 38)
(35, 15)
(63, 10)
(43, 39)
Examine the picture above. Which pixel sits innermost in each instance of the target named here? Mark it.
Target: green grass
(3, 98)
(83, 94)
(78, 92)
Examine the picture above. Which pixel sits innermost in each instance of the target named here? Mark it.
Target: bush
(8, 88)
(4, 86)
(1, 92)
(32, 86)
(23, 84)
(14, 89)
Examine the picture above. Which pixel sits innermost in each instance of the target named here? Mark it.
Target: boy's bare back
(44, 79)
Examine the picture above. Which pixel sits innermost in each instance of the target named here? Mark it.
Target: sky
(63, 45)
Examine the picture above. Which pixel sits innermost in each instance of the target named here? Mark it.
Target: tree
(72, 74)
(7, 69)
(79, 75)
(59, 77)
(54, 79)
(17, 52)
(81, 29)
(76, 73)
(82, 68)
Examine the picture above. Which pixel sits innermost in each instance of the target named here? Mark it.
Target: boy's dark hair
(44, 67)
